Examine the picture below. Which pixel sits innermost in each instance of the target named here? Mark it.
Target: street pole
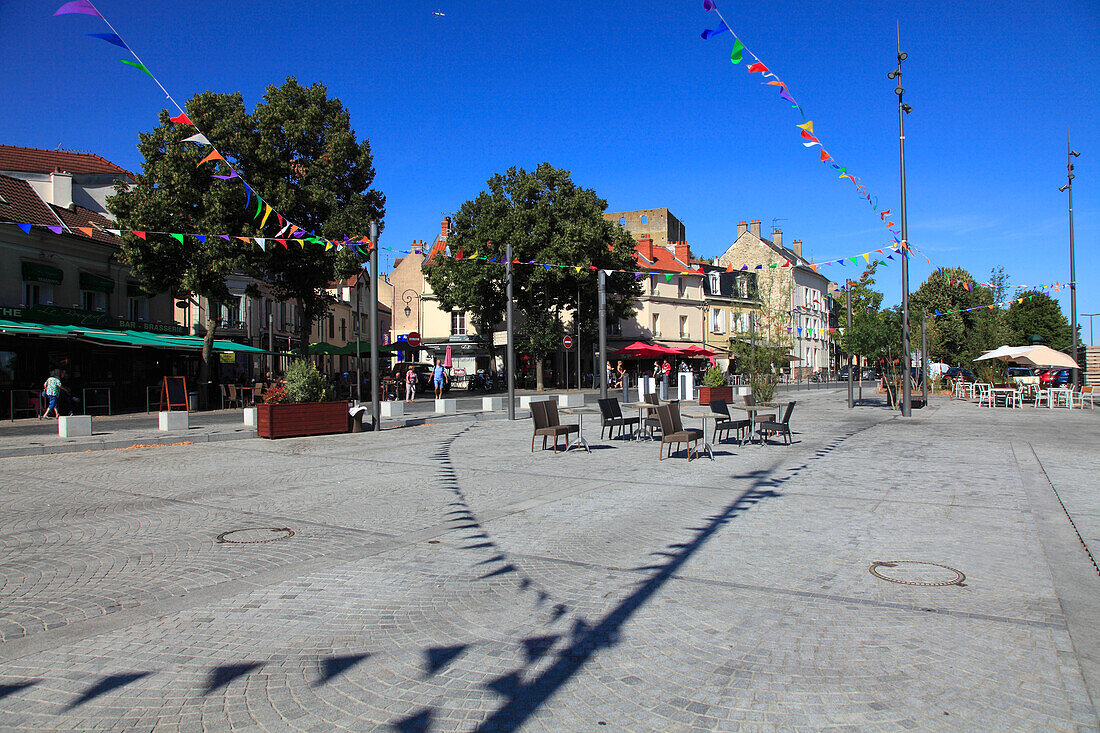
(848, 335)
(924, 355)
(271, 341)
(511, 349)
(1070, 155)
(375, 392)
(358, 339)
(904, 109)
(580, 381)
(1089, 316)
(601, 279)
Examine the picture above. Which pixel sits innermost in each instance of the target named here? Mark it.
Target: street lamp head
(902, 56)
(1075, 153)
(1063, 188)
(893, 74)
(408, 311)
(906, 108)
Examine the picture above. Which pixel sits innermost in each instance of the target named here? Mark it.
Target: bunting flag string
(809, 139)
(85, 7)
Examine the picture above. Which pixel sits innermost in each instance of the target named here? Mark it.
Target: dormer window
(714, 284)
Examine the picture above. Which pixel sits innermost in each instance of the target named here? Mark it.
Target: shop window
(37, 293)
(93, 300)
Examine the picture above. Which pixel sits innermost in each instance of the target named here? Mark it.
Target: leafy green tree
(1036, 313)
(297, 149)
(956, 335)
(548, 219)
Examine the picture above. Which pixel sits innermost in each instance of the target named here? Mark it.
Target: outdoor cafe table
(580, 412)
(1002, 393)
(641, 407)
(752, 410)
(703, 415)
(1058, 395)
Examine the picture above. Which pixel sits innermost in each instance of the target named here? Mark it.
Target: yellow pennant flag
(867, 257)
(808, 126)
(267, 213)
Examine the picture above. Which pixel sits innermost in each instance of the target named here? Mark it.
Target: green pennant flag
(668, 278)
(139, 67)
(774, 264)
(177, 237)
(853, 260)
(259, 208)
(738, 47)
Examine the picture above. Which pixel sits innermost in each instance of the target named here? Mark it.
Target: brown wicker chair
(724, 423)
(612, 417)
(672, 431)
(547, 424)
(771, 427)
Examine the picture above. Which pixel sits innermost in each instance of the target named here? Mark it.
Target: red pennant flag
(88, 231)
(182, 119)
(808, 136)
(246, 240)
(786, 264)
(610, 248)
(825, 156)
(279, 217)
(136, 233)
(459, 255)
(757, 67)
(890, 224)
(282, 242)
(515, 261)
(729, 267)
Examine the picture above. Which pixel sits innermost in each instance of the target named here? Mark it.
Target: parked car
(423, 377)
(959, 373)
(1017, 371)
(1054, 378)
(870, 374)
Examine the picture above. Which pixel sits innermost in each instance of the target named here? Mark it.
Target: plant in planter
(714, 387)
(300, 407)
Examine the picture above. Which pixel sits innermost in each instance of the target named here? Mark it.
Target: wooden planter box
(301, 418)
(706, 394)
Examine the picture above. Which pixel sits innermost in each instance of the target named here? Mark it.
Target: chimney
(742, 227)
(777, 236)
(683, 252)
(645, 247)
(61, 189)
(445, 228)
(754, 227)
(798, 247)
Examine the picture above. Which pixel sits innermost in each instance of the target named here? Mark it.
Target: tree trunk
(538, 375)
(206, 365)
(304, 329)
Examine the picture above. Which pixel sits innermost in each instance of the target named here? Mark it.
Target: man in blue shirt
(438, 376)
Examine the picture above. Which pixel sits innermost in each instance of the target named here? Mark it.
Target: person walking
(410, 384)
(52, 388)
(439, 377)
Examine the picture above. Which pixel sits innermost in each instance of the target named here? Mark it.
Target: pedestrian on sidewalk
(439, 376)
(410, 384)
(52, 387)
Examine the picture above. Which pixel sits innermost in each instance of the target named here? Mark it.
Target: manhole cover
(255, 535)
(916, 572)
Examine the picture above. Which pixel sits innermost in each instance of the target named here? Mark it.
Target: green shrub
(714, 378)
(304, 383)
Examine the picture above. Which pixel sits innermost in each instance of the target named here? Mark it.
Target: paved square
(444, 578)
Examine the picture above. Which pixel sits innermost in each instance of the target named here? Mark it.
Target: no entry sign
(567, 342)
(413, 339)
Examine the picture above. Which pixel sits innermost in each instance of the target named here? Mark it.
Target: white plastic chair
(985, 394)
(1015, 399)
(1041, 396)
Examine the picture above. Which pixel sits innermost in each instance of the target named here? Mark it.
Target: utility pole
(580, 382)
(848, 335)
(904, 109)
(1070, 155)
(511, 348)
(924, 355)
(375, 392)
(601, 279)
(358, 339)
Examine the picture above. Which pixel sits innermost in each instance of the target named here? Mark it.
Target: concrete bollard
(446, 407)
(491, 404)
(525, 400)
(173, 420)
(250, 417)
(571, 399)
(74, 426)
(393, 409)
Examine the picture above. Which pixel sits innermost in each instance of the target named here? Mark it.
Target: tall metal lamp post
(1070, 155)
(903, 109)
(1089, 316)
(408, 296)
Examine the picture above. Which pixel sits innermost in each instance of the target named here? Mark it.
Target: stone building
(659, 224)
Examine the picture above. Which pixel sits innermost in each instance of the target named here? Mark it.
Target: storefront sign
(42, 273)
(97, 283)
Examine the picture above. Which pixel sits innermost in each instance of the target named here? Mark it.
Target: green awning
(195, 342)
(349, 349)
(97, 283)
(322, 347)
(130, 338)
(31, 329)
(42, 273)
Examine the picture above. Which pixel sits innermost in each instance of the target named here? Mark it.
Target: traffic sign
(413, 339)
(567, 342)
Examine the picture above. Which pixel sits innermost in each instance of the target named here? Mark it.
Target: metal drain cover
(917, 572)
(255, 535)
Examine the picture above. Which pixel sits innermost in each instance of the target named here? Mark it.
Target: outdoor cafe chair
(1041, 396)
(612, 417)
(750, 401)
(672, 431)
(1015, 399)
(985, 394)
(724, 423)
(651, 423)
(547, 424)
(783, 427)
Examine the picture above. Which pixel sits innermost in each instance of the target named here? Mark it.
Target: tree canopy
(297, 149)
(958, 337)
(548, 219)
(1036, 313)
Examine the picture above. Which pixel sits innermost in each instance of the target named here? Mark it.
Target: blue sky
(629, 98)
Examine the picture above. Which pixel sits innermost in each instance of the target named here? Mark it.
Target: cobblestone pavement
(445, 578)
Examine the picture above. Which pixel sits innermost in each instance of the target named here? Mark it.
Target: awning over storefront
(118, 337)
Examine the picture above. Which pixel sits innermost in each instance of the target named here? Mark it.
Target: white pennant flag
(198, 138)
(262, 241)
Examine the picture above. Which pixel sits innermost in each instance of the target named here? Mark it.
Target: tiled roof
(663, 260)
(21, 205)
(35, 160)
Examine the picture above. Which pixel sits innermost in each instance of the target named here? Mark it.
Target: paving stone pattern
(443, 577)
